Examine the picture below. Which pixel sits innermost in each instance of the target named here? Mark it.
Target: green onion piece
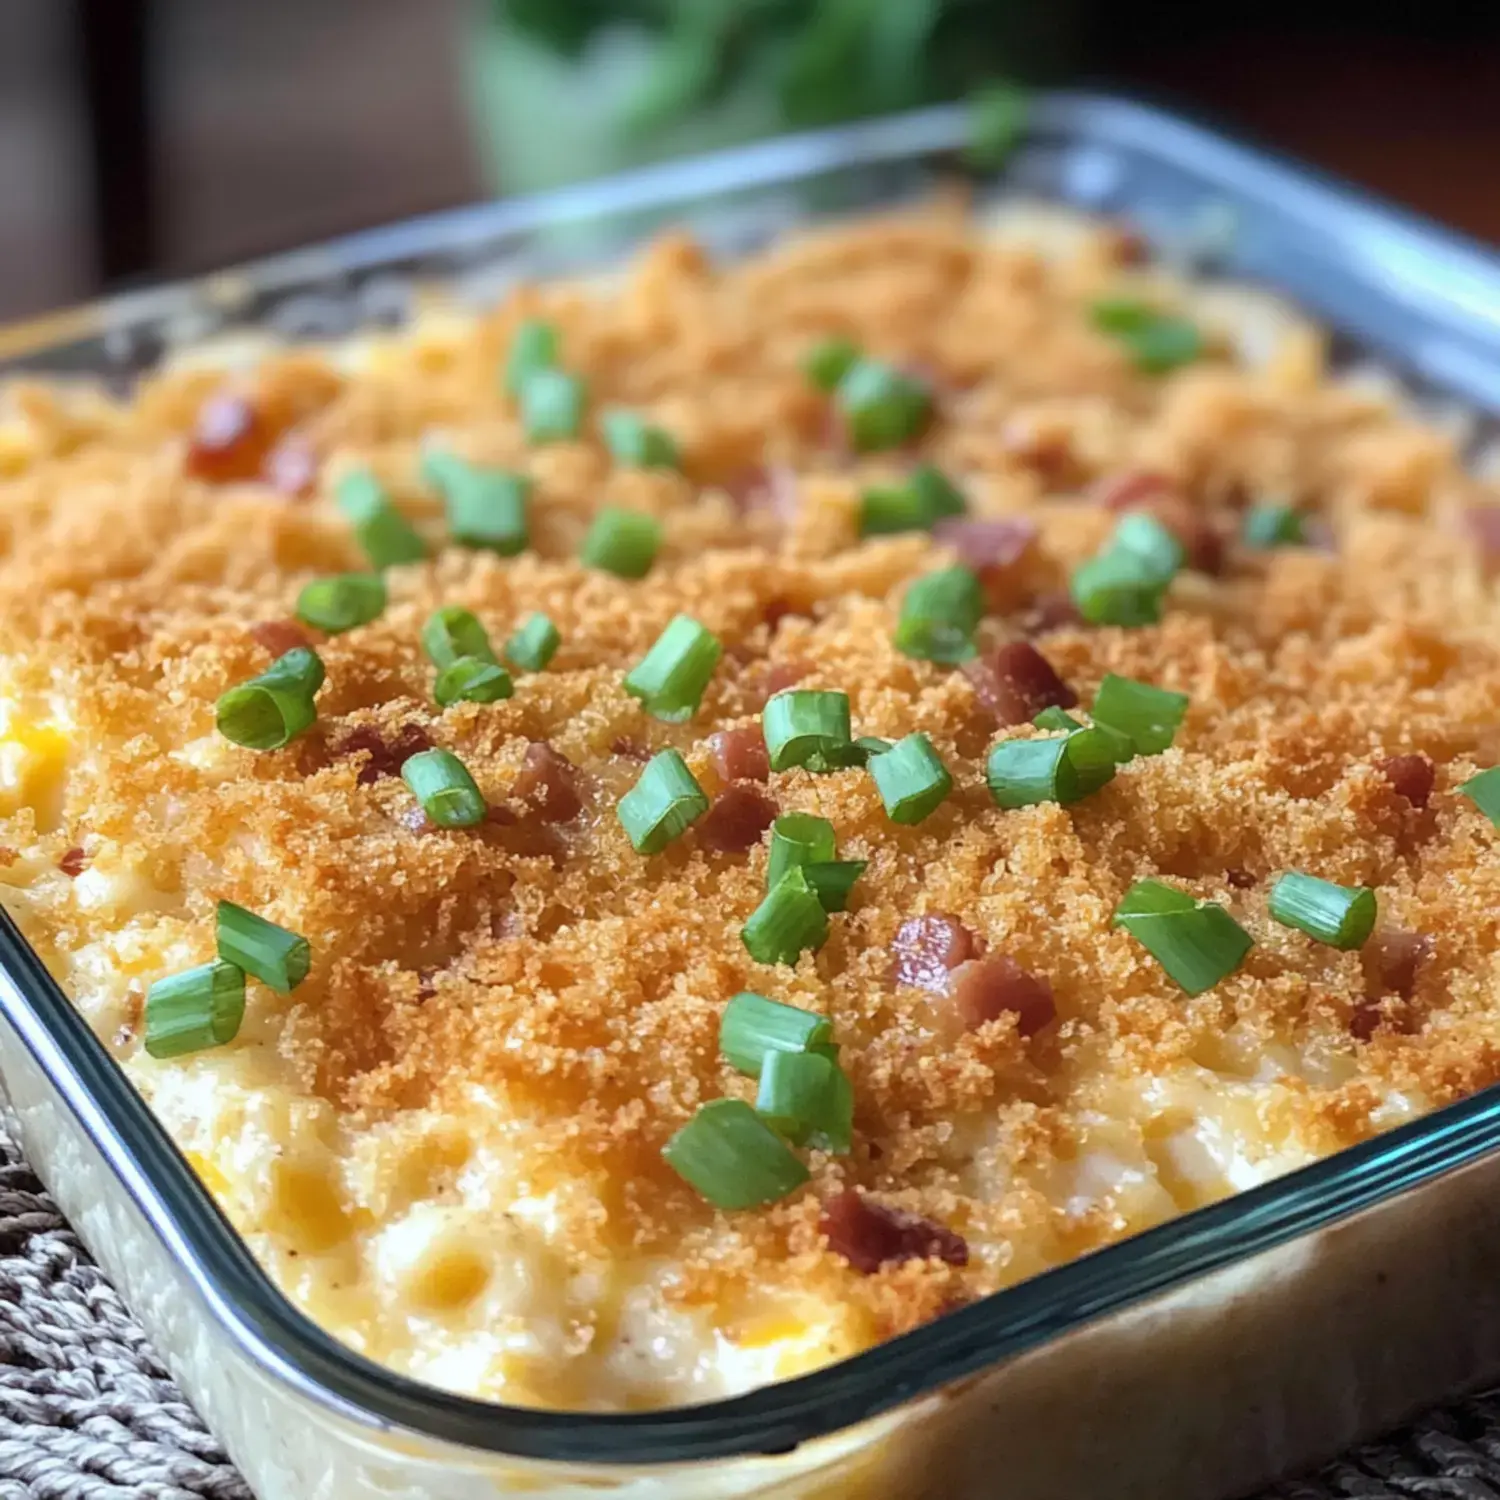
(441, 468)
(1341, 916)
(790, 920)
(1117, 588)
(803, 727)
(1197, 942)
(807, 1098)
(1147, 716)
(269, 953)
(732, 1157)
(453, 632)
(918, 505)
(752, 1025)
(1056, 718)
(271, 710)
(665, 800)
(882, 407)
(834, 879)
(636, 443)
(998, 115)
(1483, 790)
(1268, 526)
(341, 602)
(911, 779)
(827, 363)
(622, 542)
(1142, 536)
(939, 616)
(533, 347)
(670, 679)
(799, 839)
(387, 537)
(1021, 773)
(470, 679)
(440, 781)
(486, 507)
(872, 744)
(1157, 341)
(194, 1010)
(534, 644)
(552, 403)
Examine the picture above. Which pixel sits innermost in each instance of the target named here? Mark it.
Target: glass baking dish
(1200, 1358)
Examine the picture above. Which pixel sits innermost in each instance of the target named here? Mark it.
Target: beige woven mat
(88, 1413)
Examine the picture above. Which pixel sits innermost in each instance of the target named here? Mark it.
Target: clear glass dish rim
(285, 1345)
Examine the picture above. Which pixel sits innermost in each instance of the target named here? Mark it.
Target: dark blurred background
(148, 138)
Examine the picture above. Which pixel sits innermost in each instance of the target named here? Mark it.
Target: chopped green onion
(453, 632)
(386, 536)
(534, 644)
(486, 507)
(790, 920)
(341, 602)
(1142, 536)
(272, 709)
(1157, 341)
(470, 679)
(533, 347)
(1117, 588)
(1341, 916)
(552, 403)
(998, 116)
(833, 880)
(911, 779)
(670, 679)
(939, 616)
(1021, 773)
(1148, 716)
(636, 443)
(1483, 790)
(807, 1098)
(665, 800)
(881, 406)
(753, 1025)
(1056, 718)
(270, 953)
(827, 363)
(732, 1157)
(440, 781)
(1197, 942)
(918, 505)
(622, 542)
(799, 839)
(194, 1010)
(806, 728)
(872, 744)
(1268, 526)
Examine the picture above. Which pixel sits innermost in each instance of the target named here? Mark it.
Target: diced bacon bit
(1015, 682)
(984, 989)
(1130, 489)
(229, 440)
(292, 468)
(386, 757)
(871, 1236)
(8, 856)
(547, 784)
(986, 546)
(1127, 246)
(738, 817)
(73, 863)
(1391, 959)
(928, 949)
(740, 754)
(1364, 1022)
(1410, 775)
(279, 636)
(778, 609)
(1483, 523)
(781, 675)
(1048, 612)
(1045, 447)
(629, 748)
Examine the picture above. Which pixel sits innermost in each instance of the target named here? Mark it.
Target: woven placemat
(88, 1412)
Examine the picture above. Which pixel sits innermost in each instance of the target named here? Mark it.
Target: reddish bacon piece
(1050, 611)
(738, 817)
(547, 782)
(1044, 447)
(927, 950)
(385, 757)
(292, 467)
(73, 863)
(1391, 959)
(1411, 776)
(229, 440)
(1364, 1022)
(985, 989)
(279, 636)
(740, 754)
(870, 1236)
(1015, 682)
(1159, 497)
(1483, 523)
(986, 546)
(1130, 489)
